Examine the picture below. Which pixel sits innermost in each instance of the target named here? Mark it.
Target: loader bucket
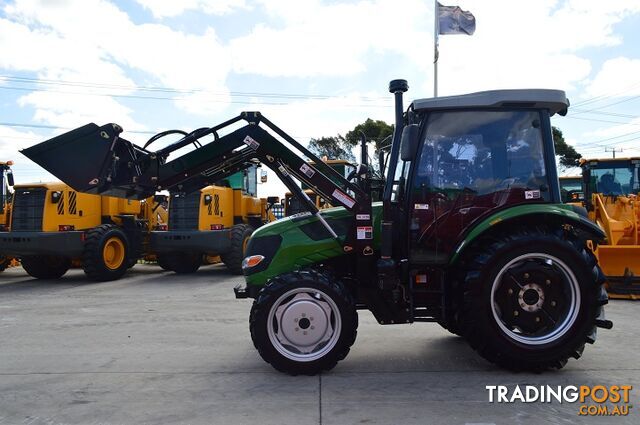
(94, 160)
(621, 266)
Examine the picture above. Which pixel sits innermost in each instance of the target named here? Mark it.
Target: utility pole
(613, 151)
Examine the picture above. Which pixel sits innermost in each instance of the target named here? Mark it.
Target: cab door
(471, 164)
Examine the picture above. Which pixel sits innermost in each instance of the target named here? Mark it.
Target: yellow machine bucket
(619, 257)
(621, 265)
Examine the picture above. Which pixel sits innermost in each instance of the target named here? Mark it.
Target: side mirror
(409, 142)
(159, 199)
(272, 200)
(10, 178)
(263, 176)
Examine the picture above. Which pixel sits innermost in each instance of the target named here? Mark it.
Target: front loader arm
(97, 160)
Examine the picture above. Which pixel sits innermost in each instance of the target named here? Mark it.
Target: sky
(315, 68)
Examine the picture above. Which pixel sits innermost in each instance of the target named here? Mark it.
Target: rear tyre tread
(45, 267)
(233, 259)
(479, 260)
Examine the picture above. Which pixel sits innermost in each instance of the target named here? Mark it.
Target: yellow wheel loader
(612, 187)
(6, 184)
(216, 221)
(53, 226)
(571, 191)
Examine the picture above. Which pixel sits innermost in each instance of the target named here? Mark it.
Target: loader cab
(571, 190)
(464, 158)
(610, 177)
(6, 191)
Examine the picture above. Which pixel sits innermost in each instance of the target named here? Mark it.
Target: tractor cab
(464, 158)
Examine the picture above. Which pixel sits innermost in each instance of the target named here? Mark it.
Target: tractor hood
(300, 241)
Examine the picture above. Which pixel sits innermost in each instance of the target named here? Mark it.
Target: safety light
(55, 197)
(252, 261)
(162, 227)
(66, 227)
(217, 226)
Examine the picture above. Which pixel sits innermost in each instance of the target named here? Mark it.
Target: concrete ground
(157, 348)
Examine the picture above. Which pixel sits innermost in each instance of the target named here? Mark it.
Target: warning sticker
(532, 194)
(365, 232)
(308, 171)
(249, 141)
(363, 217)
(421, 206)
(346, 200)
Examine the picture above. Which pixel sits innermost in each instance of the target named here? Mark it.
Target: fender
(562, 213)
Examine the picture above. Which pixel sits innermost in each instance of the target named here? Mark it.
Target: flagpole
(436, 30)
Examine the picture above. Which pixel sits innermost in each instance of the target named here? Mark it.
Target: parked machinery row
(50, 227)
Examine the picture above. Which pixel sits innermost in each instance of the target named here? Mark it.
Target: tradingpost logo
(590, 400)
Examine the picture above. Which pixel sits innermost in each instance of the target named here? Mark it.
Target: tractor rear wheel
(181, 262)
(106, 253)
(45, 266)
(240, 234)
(303, 322)
(532, 298)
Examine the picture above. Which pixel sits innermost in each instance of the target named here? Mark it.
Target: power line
(184, 91)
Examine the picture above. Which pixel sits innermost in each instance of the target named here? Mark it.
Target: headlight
(252, 261)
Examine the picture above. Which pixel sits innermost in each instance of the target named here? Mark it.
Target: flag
(453, 20)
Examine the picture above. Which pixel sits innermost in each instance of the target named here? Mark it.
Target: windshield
(570, 184)
(618, 179)
(484, 151)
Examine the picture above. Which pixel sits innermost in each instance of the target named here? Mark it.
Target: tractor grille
(184, 211)
(28, 210)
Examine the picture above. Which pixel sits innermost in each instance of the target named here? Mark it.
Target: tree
(376, 131)
(569, 157)
(332, 148)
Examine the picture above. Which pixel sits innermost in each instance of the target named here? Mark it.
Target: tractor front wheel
(532, 299)
(240, 235)
(303, 322)
(45, 266)
(106, 253)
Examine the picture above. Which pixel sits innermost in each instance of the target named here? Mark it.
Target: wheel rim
(535, 299)
(113, 253)
(304, 324)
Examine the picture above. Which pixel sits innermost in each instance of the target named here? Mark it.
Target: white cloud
(168, 8)
(103, 49)
(618, 77)
(312, 38)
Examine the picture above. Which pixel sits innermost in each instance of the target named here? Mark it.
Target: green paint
(298, 250)
(566, 212)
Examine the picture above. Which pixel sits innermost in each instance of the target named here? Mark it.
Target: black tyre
(303, 322)
(532, 298)
(45, 267)
(4, 263)
(181, 262)
(162, 262)
(240, 234)
(106, 253)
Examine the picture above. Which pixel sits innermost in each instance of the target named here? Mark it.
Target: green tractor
(470, 233)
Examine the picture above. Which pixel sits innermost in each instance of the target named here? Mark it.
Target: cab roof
(554, 100)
